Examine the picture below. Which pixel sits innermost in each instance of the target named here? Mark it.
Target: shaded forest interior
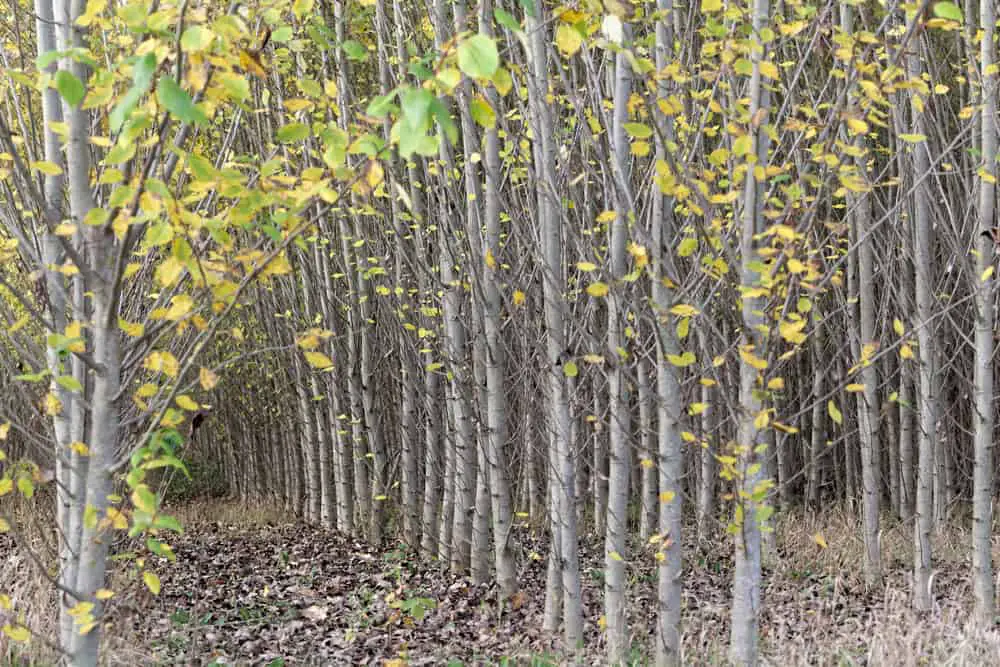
(601, 331)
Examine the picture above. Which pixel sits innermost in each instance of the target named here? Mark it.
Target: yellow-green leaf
(597, 289)
(152, 582)
(835, 414)
(319, 360)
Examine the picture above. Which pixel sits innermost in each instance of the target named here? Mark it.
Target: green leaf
(293, 132)
(47, 58)
(380, 106)
(167, 522)
(948, 10)
(70, 87)
(482, 113)
(478, 57)
(69, 383)
(444, 120)
(176, 100)
(415, 104)
(506, 20)
(282, 34)
(26, 486)
(529, 7)
(638, 130)
(196, 38)
(142, 78)
(355, 50)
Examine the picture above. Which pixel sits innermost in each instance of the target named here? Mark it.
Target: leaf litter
(290, 594)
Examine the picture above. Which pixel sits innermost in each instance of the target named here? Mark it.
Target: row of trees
(458, 266)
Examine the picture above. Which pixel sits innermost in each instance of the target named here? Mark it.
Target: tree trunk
(983, 388)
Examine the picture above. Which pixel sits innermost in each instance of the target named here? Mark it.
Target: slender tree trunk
(670, 451)
(619, 408)
(496, 397)
(983, 389)
(562, 471)
(922, 260)
(866, 346)
(745, 614)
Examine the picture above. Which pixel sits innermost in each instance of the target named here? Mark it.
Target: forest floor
(248, 588)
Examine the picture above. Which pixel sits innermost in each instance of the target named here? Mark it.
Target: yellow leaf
(79, 448)
(118, 521)
(133, 330)
(74, 331)
(792, 331)
(747, 355)
(518, 297)
(769, 69)
(185, 402)
(597, 289)
(776, 384)
(614, 555)
(606, 217)
(47, 168)
(913, 138)
(711, 5)
(742, 145)
(568, 39)
(682, 360)
(207, 379)
(180, 306)
(667, 496)
(163, 362)
(897, 326)
(491, 261)
(905, 351)
(319, 360)
(857, 126)
(586, 267)
(854, 387)
(4, 430)
(6, 486)
(93, 10)
(152, 582)
(697, 408)
(17, 633)
(835, 413)
(684, 310)
(169, 271)
(820, 541)
(53, 406)
(103, 594)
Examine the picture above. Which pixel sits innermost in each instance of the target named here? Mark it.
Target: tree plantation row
(444, 269)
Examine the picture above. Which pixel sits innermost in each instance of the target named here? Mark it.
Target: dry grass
(829, 617)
